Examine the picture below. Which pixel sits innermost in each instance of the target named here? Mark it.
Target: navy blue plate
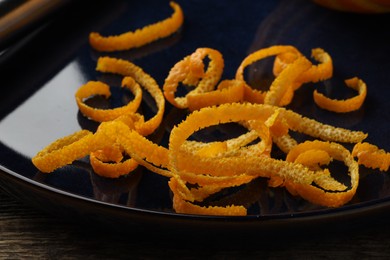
(41, 75)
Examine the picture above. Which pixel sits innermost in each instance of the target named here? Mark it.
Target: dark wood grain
(29, 233)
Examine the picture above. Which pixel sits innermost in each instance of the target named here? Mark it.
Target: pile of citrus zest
(93, 88)
(128, 69)
(212, 167)
(291, 69)
(190, 71)
(133, 78)
(198, 169)
(371, 156)
(104, 147)
(319, 194)
(347, 105)
(139, 37)
(233, 113)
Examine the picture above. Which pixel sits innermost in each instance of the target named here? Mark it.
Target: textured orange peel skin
(371, 156)
(318, 195)
(190, 71)
(139, 37)
(99, 88)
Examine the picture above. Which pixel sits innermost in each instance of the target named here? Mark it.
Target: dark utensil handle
(21, 19)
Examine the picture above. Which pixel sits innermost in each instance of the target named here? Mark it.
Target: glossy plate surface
(41, 75)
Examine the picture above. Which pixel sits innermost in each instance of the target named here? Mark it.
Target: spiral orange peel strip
(182, 206)
(371, 156)
(139, 37)
(67, 149)
(318, 195)
(228, 91)
(107, 162)
(93, 88)
(347, 105)
(283, 83)
(319, 72)
(257, 96)
(190, 71)
(126, 68)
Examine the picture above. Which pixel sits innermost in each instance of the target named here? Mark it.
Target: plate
(41, 74)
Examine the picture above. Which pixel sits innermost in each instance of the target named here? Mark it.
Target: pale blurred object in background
(357, 6)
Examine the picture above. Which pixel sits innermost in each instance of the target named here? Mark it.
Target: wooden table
(30, 233)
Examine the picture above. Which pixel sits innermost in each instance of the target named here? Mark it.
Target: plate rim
(250, 223)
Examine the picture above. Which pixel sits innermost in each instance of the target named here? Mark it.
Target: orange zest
(66, 150)
(190, 71)
(371, 156)
(126, 68)
(139, 37)
(347, 105)
(195, 169)
(283, 83)
(251, 94)
(108, 162)
(228, 91)
(183, 206)
(319, 72)
(99, 88)
(319, 194)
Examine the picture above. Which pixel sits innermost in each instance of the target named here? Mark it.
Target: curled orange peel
(108, 163)
(347, 105)
(93, 88)
(182, 206)
(319, 72)
(371, 156)
(228, 91)
(139, 37)
(126, 68)
(148, 154)
(257, 96)
(305, 72)
(190, 71)
(283, 83)
(67, 149)
(319, 195)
